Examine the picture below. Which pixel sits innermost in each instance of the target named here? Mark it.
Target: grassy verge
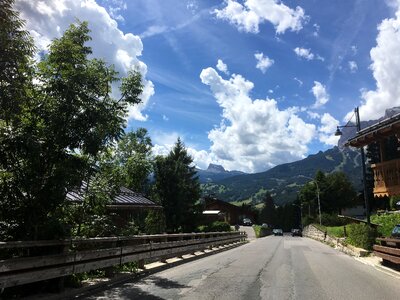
(257, 230)
(333, 231)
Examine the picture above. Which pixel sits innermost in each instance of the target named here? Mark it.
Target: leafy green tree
(60, 118)
(133, 160)
(178, 189)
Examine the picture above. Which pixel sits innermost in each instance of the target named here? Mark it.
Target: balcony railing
(387, 178)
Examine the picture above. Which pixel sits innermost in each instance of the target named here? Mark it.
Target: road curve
(268, 268)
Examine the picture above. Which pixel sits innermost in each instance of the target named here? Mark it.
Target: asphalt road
(268, 268)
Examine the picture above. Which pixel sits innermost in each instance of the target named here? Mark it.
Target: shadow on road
(165, 283)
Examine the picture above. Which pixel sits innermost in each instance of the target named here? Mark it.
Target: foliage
(387, 222)
(155, 222)
(177, 187)
(56, 116)
(392, 202)
(336, 231)
(267, 214)
(216, 226)
(261, 231)
(332, 220)
(133, 160)
(361, 235)
(335, 192)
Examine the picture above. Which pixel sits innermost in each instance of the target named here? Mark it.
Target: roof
(125, 197)
(382, 129)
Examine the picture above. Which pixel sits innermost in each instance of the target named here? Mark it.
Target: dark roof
(373, 133)
(125, 197)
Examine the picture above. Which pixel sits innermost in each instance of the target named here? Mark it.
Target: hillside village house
(126, 205)
(219, 210)
(385, 136)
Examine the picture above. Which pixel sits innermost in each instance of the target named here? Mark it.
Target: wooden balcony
(386, 178)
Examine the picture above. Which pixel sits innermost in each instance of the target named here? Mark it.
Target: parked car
(247, 222)
(277, 231)
(396, 231)
(296, 232)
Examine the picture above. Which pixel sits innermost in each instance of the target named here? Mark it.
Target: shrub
(214, 227)
(361, 235)
(307, 220)
(155, 222)
(332, 220)
(387, 222)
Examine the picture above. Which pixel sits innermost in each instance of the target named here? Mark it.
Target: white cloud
(385, 67)
(312, 115)
(165, 118)
(354, 49)
(222, 67)
(317, 28)
(254, 135)
(252, 13)
(304, 53)
(353, 66)
(48, 19)
(153, 30)
(263, 62)
(327, 130)
(320, 94)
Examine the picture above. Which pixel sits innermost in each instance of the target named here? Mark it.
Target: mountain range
(283, 181)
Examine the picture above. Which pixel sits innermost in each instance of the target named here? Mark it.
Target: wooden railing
(21, 262)
(386, 178)
(388, 250)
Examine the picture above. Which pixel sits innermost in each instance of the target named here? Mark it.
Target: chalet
(126, 204)
(384, 137)
(218, 210)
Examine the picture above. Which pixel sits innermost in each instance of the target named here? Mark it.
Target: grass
(257, 230)
(239, 203)
(333, 231)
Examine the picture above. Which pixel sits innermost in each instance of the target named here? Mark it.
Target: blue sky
(246, 84)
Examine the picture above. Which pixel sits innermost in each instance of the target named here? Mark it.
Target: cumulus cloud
(320, 94)
(327, 130)
(48, 19)
(353, 66)
(252, 13)
(385, 67)
(263, 62)
(304, 53)
(316, 28)
(253, 135)
(222, 67)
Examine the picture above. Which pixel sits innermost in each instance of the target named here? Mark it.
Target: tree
(177, 187)
(133, 160)
(268, 212)
(62, 116)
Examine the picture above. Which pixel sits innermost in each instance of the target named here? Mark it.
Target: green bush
(387, 222)
(307, 220)
(361, 235)
(333, 220)
(214, 227)
(155, 222)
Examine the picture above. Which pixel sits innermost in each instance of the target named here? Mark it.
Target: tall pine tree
(178, 189)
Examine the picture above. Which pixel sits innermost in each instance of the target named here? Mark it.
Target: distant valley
(282, 181)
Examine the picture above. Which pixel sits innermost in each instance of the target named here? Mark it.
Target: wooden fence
(23, 261)
(388, 250)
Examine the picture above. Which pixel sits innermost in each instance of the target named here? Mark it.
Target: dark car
(296, 232)
(247, 222)
(277, 231)
(396, 231)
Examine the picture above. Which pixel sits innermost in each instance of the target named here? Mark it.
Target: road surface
(268, 268)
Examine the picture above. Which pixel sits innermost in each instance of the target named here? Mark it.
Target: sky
(247, 84)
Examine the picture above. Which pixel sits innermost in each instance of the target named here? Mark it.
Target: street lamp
(338, 133)
(319, 202)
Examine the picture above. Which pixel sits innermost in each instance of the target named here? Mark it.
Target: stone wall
(338, 243)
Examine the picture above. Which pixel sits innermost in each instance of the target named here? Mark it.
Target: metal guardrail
(81, 255)
(388, 250)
